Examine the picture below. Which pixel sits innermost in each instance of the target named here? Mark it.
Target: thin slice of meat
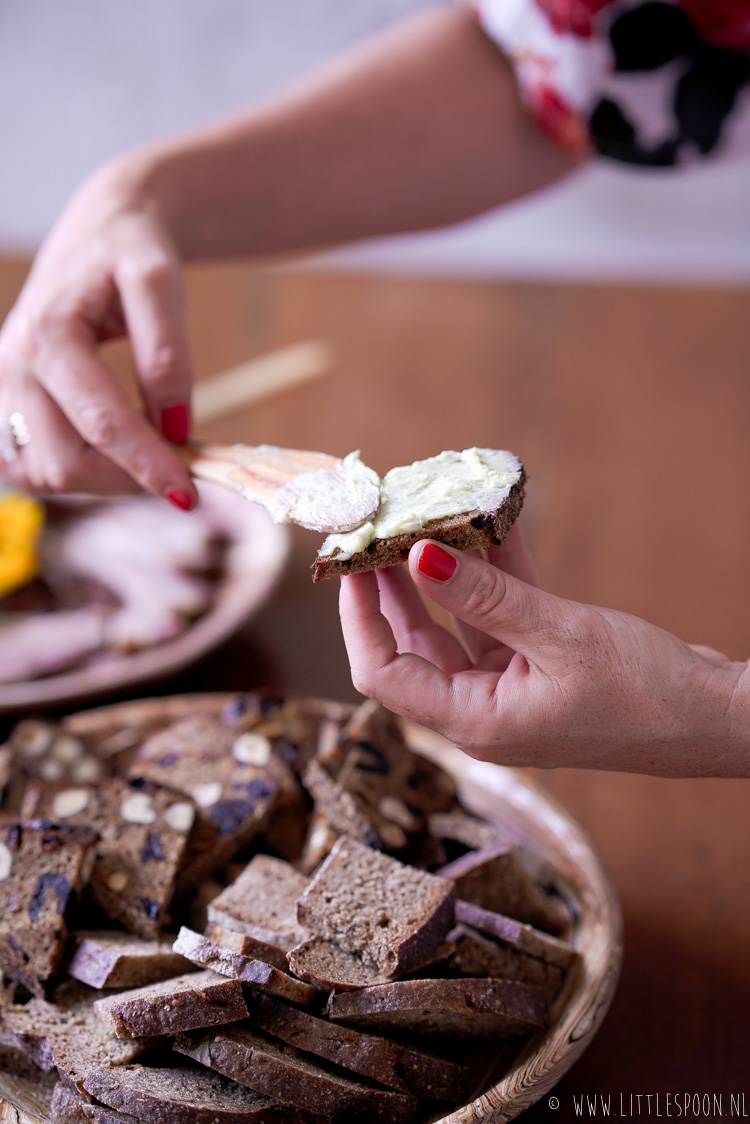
(46, 643)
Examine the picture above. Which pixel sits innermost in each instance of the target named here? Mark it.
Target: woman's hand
(537, 680)
(108, 269)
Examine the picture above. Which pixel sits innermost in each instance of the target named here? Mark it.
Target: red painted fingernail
(436, 563)
(175, 423)
(180, 499)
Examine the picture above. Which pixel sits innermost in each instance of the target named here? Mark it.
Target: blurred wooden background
(630, 407)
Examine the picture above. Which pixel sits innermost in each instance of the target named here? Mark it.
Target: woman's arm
(420, 127)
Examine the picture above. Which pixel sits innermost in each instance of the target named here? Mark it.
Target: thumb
(537, 624)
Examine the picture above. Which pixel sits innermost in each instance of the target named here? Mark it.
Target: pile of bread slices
(265, 910)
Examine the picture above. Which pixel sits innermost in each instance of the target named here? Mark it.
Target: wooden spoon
(315, 490)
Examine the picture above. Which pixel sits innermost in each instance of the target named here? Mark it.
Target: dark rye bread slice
(67, 1035)
(43, 869)
(254, 973)
(496, 878)
(243, 945)
(288, 1074)
(102, 1114)
(66, 1105)
(400, 1066)
(143, 830)
(468, 531)
(389, 914)
(523, 937)
(185, 1096)
(477, 955)
(196, 999)
(331, 968)
(465, 1009)
(262, 903)
(112, 959)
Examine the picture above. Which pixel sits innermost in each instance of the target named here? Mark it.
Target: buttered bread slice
(466, 499)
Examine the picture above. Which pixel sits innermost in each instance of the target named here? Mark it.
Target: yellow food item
(21, 522)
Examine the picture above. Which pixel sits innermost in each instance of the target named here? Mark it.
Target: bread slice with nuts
(38, 750)
(370, 785)
(43, 869)
(234, 795)
(143, 830)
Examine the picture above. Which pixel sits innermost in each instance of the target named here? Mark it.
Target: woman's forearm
(418, 128)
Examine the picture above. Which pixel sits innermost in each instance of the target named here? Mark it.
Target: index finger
(96, 405)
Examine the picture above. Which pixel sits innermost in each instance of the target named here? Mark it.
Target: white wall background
(82, 79)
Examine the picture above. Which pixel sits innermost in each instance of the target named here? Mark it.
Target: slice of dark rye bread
(331, 968)
(112, 959)
(477, 955)
(288, 1074)
(400, 1066)
(387, 913)
(467, 531)
(255, 973)
(526, 939)
(262, 904)
(196, 999)
(67, 1035)
(68, 1106)
(245, 945)
(496, 878)
(187, 1096)
(465, 1009)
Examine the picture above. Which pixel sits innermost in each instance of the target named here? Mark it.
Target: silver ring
(14, 435)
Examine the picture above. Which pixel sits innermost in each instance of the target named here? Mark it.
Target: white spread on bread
(414, 495)
(324, 498)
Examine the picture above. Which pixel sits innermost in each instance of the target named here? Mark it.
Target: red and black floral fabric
(654, 83)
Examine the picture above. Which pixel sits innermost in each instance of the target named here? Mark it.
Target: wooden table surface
(630, 408)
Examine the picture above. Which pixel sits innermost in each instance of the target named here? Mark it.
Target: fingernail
(180, 499)
(175, 423)
(436, 563)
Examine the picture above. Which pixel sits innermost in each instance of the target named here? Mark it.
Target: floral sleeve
(652, 83)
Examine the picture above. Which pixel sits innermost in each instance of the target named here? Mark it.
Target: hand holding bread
(539, 680)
